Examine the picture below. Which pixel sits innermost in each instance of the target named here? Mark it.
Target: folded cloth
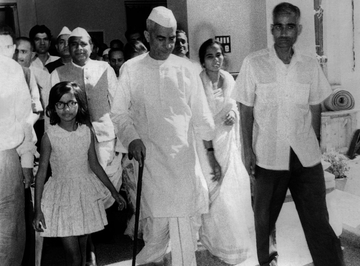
(339, 100)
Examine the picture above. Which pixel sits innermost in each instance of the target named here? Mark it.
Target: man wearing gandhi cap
(99, 82)
(62, 48)
(159, 103)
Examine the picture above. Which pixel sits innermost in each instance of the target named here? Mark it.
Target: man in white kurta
(159, 102)
(16, 141)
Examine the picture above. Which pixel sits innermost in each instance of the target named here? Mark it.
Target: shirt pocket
(266, 93)
(300, 93)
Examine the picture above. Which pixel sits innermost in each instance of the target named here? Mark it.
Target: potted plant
(338, 167)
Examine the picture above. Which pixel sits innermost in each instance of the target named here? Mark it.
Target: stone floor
(115, 249)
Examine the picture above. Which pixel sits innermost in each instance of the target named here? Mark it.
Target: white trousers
(178, 234)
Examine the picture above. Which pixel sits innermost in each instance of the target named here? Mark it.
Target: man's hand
(215, 166)
(39, 221)
(250, 162)
(137, 150)
(120, 201)
(28, 176)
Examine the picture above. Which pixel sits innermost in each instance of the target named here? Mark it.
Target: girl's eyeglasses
(69, 104)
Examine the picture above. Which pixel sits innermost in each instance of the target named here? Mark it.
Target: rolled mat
(339, 100)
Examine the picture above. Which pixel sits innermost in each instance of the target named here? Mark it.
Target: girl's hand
(215, 166)
(120, 201)
(28, 177)
(39, 221)
(230, 118)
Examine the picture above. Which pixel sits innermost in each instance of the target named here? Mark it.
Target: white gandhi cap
(64, 30)
(106, 51)
(163, 16)
(79, 32)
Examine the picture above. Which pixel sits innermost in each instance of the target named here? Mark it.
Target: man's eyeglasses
(69, 104)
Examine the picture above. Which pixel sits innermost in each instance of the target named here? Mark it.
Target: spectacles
(69, 104)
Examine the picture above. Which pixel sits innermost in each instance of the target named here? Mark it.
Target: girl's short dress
(72, 197)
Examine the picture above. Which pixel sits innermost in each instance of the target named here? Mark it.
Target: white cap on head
(163, 16)
(106, 51)
(64, 30)
(79, 32)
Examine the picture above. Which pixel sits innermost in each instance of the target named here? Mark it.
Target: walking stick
(137, 211)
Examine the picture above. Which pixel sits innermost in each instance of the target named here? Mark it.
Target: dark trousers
(29, 254)
(39, 128)
(307, 187)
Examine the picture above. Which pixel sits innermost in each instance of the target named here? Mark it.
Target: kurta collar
(77, 66)
(295, 58)
(154, 62)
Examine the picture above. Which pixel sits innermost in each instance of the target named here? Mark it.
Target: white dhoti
(178, 233)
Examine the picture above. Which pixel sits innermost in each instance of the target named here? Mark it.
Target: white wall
(27, 15)
(179, 8)
(93, 15)
(340, 41)
(243, 20)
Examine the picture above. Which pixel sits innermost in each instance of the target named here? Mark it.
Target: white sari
(228, 228)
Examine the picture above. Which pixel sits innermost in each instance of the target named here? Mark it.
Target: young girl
(227, 229)
(70, 205)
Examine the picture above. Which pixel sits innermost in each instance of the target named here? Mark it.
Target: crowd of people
(218, 154)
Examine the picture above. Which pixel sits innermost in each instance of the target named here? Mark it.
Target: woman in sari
(228, 227)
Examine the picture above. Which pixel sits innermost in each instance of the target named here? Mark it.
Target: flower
(338, 162)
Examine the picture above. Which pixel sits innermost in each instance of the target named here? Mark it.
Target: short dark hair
(132, 48)
(39, 29)
(26, 39)
(285, 7)
(113, 50)
(181, 31)
(57, 91)
(116, 42)
(7, 30)
(131, 31)
(205, 45)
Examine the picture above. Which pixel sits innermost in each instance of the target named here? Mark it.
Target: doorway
(9, 17)
(138, 11)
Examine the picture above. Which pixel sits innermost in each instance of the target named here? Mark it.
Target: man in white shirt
(116, 59)
(159, 102)
(8, 49)
(16, 140)
(41, 36)
(38, 80)
(280, 90)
